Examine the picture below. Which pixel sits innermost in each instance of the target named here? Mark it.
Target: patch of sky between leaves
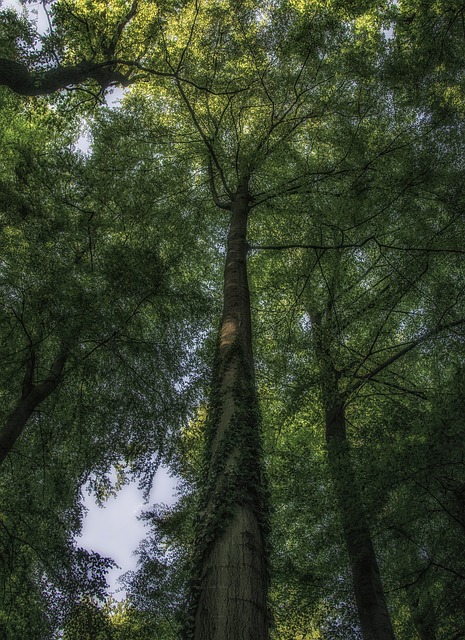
(35, 12)
(115, 530)
(113, 98)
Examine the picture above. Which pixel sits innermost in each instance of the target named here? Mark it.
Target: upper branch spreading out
(17, 77)
(362, 379)
(354, 245)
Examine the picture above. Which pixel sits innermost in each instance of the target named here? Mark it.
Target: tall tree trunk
(230, 593)
(373, 612)
(31, 397)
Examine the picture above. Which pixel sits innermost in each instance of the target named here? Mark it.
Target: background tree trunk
(372, 608)
(373, 612)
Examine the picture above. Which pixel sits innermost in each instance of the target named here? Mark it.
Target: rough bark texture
(372, 608)
(230, 595)
(19, 79)
(31, 398)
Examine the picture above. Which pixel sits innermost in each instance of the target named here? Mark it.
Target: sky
(113, 531)
(35, 10)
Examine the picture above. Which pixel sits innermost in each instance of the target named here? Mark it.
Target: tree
(71, 274)
(285, 115)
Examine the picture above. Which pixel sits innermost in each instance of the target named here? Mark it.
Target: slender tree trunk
(31, 397)
(420, 603)
(372, 608)
(230, 593)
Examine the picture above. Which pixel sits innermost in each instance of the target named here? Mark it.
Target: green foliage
(17, 35)
(346, 120)
(97, 274)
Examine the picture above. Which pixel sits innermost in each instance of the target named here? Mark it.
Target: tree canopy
(253, 273)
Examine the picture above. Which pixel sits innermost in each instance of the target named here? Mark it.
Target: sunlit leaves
(345, 118)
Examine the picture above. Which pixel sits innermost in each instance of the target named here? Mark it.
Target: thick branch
(214, 192)
(19, 79)
(31, 397)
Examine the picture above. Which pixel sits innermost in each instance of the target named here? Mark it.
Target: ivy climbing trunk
(230, 593)
(375, 621)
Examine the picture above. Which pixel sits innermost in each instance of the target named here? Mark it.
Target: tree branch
(354, 245)
(396, 356)
(31, 397)
(208, 143)
(19, 79)
(214, 192)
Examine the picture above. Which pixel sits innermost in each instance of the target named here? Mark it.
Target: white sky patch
(114, 531)
(34, 10)
(38, 15)
(388, 33)
(7, 4)
(114, 96)
(83, 143)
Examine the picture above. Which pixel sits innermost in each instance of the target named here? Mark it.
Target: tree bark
(19, 79)
(372, 608)
(230, 590)
(31, 398)
(375, 621)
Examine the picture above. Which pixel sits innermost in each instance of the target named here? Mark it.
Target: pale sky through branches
(114, 531)
(35, 12)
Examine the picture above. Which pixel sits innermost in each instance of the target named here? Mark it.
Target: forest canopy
(253, 274)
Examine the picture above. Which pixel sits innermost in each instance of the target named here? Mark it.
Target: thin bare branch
(353, 245)
(402, 352)
(207, 141)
